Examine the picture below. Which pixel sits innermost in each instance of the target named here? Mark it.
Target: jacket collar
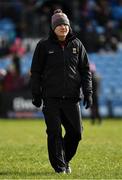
(53, 37)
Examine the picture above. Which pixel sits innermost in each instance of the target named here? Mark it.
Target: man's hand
(37, 101)
(87, 102)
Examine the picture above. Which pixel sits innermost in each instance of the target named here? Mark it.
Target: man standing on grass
(59, 74)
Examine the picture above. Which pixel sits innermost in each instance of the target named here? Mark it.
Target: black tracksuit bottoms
(62, 146)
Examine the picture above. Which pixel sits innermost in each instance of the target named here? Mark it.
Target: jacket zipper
(64, 71)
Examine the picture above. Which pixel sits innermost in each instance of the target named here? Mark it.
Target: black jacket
(60, 72)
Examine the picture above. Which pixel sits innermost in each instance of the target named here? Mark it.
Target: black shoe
(61, 172)
(68, 169)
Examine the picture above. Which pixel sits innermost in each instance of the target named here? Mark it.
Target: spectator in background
(102, 11)
(13, 81)
(60, 68)
(16, 62)
(112, 36)
(18, 48)
(4, 47)
(94, 110)
(87, 35)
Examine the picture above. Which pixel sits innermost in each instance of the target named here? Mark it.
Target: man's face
(62, 30)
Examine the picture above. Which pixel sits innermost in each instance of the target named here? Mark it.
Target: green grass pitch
(23, 151)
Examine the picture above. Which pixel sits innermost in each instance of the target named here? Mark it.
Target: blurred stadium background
(98, 23)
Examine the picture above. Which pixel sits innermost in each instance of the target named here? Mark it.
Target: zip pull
(62, 44)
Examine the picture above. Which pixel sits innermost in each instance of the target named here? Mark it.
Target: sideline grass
(23, 151)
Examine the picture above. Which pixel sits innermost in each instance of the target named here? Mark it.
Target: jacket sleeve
(37, 68)
(84, 69)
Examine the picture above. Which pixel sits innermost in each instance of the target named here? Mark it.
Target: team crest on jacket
(74, 50)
